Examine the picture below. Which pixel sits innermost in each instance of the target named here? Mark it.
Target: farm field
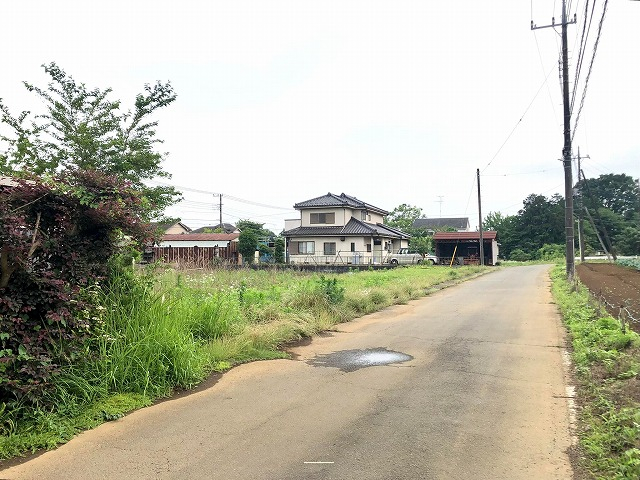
(620, 286)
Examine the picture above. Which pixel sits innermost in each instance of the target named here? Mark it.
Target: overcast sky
(391, 102)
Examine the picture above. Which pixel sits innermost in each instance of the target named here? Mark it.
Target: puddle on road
(352, 360)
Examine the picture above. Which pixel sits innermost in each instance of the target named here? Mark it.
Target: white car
(404, 257)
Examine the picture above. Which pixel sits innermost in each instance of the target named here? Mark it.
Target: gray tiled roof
(353, 228)
(459, 223)
(342, 200)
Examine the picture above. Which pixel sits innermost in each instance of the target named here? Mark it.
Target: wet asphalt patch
(352, 360)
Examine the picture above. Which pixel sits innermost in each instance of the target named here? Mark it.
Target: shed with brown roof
(464, 247)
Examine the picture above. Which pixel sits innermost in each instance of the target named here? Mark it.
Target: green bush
(551, 252)
(331, 289)
(519, 256)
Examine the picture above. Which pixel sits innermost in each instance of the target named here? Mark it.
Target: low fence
(622, 312)
(342, 258)
(194, 257)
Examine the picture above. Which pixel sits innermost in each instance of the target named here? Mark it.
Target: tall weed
(606, 362)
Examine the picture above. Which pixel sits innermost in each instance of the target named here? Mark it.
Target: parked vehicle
(404, 257)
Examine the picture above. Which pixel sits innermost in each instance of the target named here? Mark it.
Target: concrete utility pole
(480, 221)
(579, 216)
(220, 207)
(566, 150)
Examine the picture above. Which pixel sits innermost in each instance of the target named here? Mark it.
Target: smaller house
(171, 228)
(198, 239)
(220, 228)
(432, 225)
(463, 248)
(198, 249)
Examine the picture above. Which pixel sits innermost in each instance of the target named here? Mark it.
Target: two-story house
(340, 229)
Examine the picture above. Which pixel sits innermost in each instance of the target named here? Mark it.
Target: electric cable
(593, 56)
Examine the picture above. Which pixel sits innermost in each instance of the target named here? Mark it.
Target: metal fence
(342, 258)
(622, 312)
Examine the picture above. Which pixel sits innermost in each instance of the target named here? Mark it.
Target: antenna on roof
(440, 202)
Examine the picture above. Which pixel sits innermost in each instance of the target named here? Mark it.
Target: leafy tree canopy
(619, 193)
(83, 128)
(247, 244)
(403, 216)
(258, 228)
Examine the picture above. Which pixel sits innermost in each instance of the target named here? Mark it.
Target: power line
(593, 56)
(516, 173)
(582, 48)
(242, 200)
(519, 121)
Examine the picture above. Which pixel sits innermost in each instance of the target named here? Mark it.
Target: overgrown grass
(607, 361)
(170, 331)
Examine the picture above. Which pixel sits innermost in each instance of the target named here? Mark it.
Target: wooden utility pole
(566, 150)
(480, 221)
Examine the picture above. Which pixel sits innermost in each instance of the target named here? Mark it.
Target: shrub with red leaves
(56, 238)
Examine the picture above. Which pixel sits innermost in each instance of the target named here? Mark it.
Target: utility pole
(566, 150)
(220, 207)
(579, 216)
(480, 221)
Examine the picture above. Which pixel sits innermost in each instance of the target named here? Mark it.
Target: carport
(464, 247)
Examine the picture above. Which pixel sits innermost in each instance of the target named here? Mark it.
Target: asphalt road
(478, 392)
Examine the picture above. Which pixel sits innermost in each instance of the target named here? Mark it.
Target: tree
(403, 216)
(619, 193)
(82, 128)
(258, 228)
(247, 245)
(540, 221)
(278, 249)
(507, 228)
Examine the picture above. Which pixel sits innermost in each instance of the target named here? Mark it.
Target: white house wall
(342, 217)
(344, 252)
(291, 223)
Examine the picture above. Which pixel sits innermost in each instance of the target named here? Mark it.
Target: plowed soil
(620, 287)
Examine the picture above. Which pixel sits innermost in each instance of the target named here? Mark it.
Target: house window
(353, 246)
(316, 218)
(329, 248)
(308, 248)
(363, 215)
(368, 247)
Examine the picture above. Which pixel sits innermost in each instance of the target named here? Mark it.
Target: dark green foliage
(55, 242)
(618, 193)
(551, 252)
(278, 250)
(247, 245)
(258, 228)
(82, 128)
(519, 256)
(613, 202)
(403, 216)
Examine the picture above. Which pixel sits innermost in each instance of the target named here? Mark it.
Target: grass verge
(607, 361)
(170, 330)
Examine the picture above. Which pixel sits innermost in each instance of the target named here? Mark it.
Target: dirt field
(620, 286)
